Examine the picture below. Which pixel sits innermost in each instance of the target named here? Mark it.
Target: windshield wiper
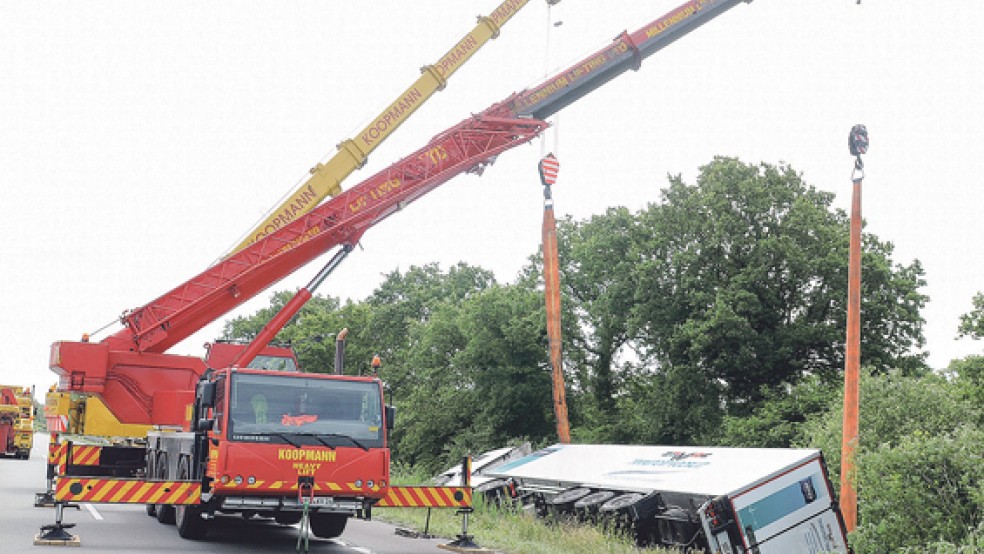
(339, 436)
(317, 437)
(287, 439)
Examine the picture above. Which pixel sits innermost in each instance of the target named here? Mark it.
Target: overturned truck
(721, 500)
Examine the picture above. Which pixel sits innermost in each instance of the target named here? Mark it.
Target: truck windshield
(305, 410)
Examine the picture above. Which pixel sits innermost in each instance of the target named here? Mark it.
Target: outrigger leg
(56, 534)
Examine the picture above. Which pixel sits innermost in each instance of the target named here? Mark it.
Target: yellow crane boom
(326, 178)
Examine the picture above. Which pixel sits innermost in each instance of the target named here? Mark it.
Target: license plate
(322, 501)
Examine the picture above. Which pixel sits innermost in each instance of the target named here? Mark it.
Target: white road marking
(92, 510)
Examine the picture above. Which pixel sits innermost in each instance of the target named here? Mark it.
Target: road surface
(120, 528)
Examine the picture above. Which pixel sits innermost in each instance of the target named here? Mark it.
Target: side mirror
(206, 394)
(390, 417)
(206, 424)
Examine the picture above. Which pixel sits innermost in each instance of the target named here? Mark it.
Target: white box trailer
(724, 500)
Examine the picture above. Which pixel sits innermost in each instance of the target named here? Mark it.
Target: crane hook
(857, 143)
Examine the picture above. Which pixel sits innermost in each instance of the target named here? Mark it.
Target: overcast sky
(140, 140)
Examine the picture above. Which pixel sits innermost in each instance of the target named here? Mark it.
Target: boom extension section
(326, 178)
(626, 52)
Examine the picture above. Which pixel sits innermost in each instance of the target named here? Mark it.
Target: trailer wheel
(188, 518)
(562, 504)
(493, 492)
(615, 512)
(587, 508)
(328, 525)
(151, 510)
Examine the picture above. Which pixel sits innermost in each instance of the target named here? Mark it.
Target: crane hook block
(858, 140)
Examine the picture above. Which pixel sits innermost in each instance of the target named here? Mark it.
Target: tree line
(715, 316)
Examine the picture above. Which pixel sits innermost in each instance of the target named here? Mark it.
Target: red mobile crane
(232, 454)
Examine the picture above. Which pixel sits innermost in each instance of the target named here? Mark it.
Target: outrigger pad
(464, 543)
(55, 535)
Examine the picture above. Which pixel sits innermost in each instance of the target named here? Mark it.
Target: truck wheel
(328, 525)
(188, 518)
(152, 510)
(164, 512)
(190, 523)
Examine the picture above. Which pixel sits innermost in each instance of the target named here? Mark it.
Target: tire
(494, 492)
(327, 525)
(587, 507)
(614, 514)
(191, 525)
(621, 504)
(288, 518)
(188, 518)
(562, 504)
(152, 510)
(164, 512)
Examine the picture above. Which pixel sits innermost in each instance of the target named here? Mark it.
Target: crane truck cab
(277, 444)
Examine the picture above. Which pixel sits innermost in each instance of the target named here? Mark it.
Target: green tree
(482, 378)
(972, 323)
(742, 285)
(597, 293)
(777, 420)
(918, 464)
(922, 489)
(596, 264)
(311, 332)
(405, 299)
(967, 374)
